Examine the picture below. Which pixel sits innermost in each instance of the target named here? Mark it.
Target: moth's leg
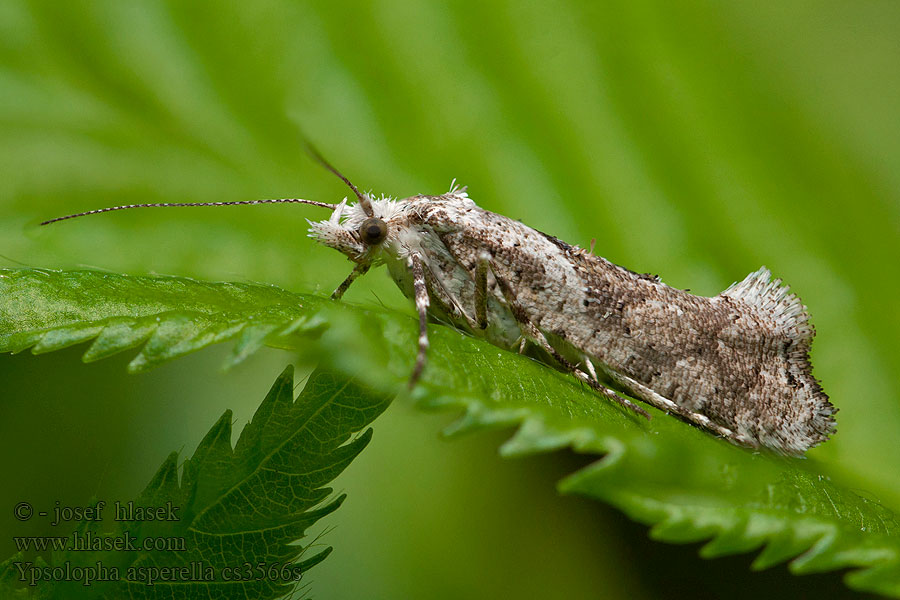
(531, 331)
(590, 368)
(480, 322)
(422, 302)
(444, 299)
(481, 294)
(359, 269)
(662, 403)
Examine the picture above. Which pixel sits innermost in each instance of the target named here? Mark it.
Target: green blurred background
(697, 140)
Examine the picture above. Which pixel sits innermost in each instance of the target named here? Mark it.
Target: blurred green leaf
(686, 483)
(240, 508)
(167, 316)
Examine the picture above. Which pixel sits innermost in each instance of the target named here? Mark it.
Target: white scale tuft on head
(339, 231)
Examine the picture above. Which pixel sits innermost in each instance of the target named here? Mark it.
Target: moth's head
(361, 231)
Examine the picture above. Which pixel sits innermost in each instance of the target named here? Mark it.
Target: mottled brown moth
(736, 364)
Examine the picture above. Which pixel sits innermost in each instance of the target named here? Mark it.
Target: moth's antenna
(184, 204)
(363, 199)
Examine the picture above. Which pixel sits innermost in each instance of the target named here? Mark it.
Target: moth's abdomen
(740, 359)
(787, 407)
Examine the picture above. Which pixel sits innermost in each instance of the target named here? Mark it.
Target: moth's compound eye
(373, 231)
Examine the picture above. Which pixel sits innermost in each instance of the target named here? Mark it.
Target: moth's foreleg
(359, 269)
(531, 331)
(422, 303)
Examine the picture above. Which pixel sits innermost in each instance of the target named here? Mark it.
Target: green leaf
(689, 485)
(240, 508)
(167, 316)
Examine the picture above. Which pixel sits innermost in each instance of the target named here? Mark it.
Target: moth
(735, 364)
